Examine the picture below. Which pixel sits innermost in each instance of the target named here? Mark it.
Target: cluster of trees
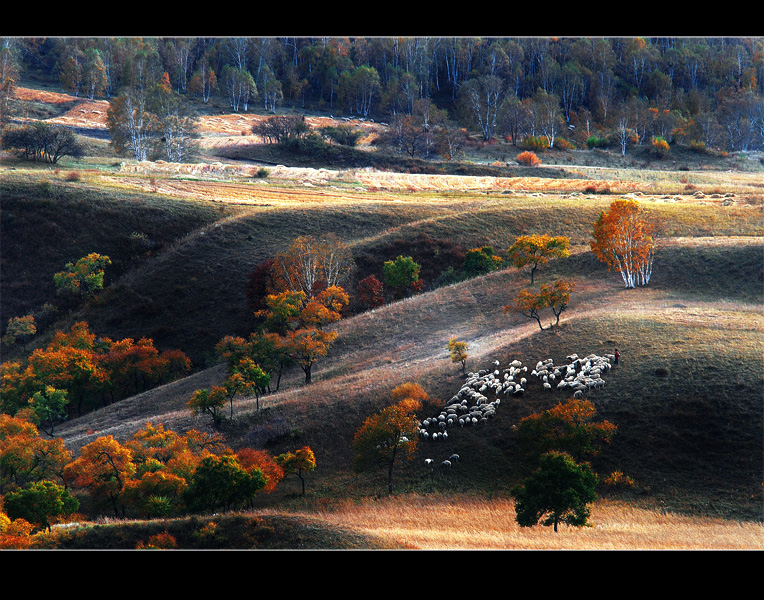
(79, 280)
(156, 473)
(295, 296)
(620, 91)
(623, 238)
(556, 446)
(41, 141)
(78, 372)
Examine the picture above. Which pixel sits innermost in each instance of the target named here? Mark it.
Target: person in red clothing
(617, 355)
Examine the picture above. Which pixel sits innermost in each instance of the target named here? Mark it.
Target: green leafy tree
(247, 379)
(479, 261)
(401, 274)
(221, 483)
(84, 277)
(49, 406)
(557, 492)
(39, 503)
(211, 402)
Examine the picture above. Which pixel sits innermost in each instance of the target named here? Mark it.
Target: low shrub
(528, 159)
(534, 142)
(596, 142)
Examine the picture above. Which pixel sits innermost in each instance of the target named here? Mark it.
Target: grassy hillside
(180, 266)
(686, 397)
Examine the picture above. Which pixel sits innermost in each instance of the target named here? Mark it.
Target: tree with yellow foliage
(536, 250)
(458, 351)
(297, 463)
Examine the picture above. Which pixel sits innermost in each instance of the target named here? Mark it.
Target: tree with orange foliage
(15, 534)
(165, 462)
(103, 468)
(155, 442)
(555, 296)
(568, 427)
(306, 346)
(390, 432)
(458, 352)
(25, 457)
(300, 320)
(297, 463)
(528, 303)
(288, 311)
(260, 459)
(75, 369)
(247, 379)
(558, 296)
(91, 369)
(624, 240)
(536, 250)
(156, 491)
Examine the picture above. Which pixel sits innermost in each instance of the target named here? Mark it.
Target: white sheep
(428, 462)
(446, 463)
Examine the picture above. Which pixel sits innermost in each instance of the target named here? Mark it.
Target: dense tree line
(709, 91)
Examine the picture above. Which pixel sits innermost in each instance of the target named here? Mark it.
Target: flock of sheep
(481, 393)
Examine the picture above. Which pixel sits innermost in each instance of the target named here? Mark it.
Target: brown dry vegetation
(695, 451)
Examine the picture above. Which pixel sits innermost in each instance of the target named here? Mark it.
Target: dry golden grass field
(701, 305)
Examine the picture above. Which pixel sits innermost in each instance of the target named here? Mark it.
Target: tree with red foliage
(371, 292)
